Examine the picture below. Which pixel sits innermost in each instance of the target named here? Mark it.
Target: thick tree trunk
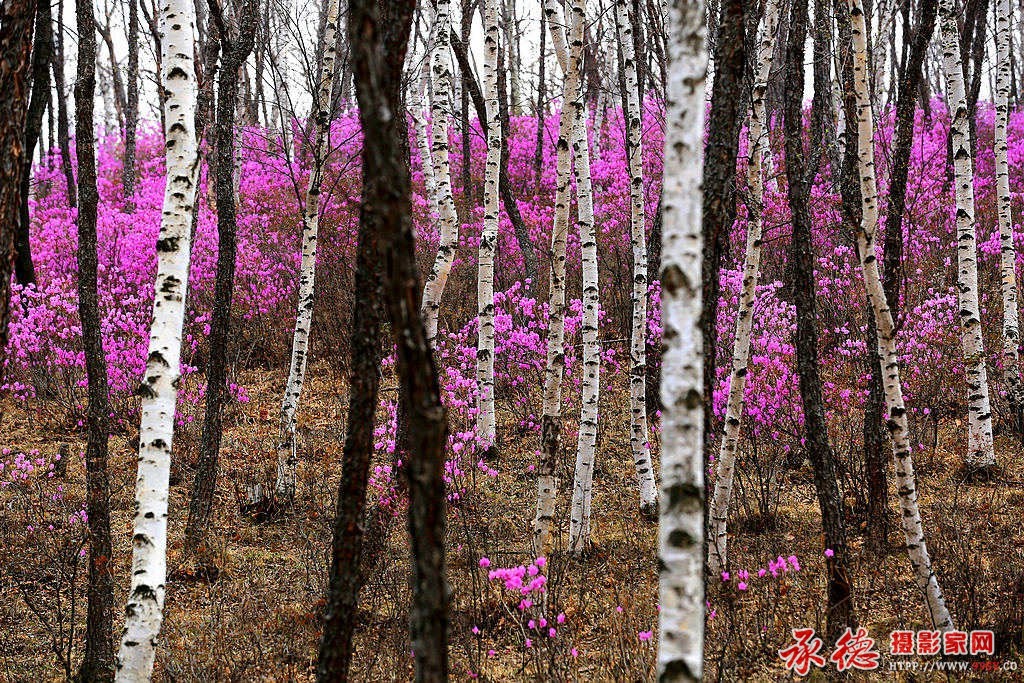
(98, 660)
(441, 111)
(235, 50)
(586, 447)
(980, 450)
(681, 548)
(485, 421)
(15, 45)
(1011, 327)
(638, 438)
(159, 388)
(892, 386)
(287, 457)
(717, 557)
(379, 48)
(800, 171)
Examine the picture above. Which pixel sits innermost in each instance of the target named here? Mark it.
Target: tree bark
(681, 530)
(98, 660)
(132, 105)
(62, 110)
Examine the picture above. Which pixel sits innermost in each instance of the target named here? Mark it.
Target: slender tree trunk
(485, 421)
(235, 50)
(379, 48)
(586, 448)
(423, 140)
(98, 660)
(638, 437)
(896, 419)
(15, 45)
(117, 86)
(132, 105)
(1011, 329)
(441, 111)
(287, 457)
(681, 550)
(800, 170)
(159, 388)
(42, 55)
(62, 109)
(980, 450)
(551, 420)
(717, 557)
(538, 155)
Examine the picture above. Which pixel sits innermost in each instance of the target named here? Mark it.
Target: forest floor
(260, 620)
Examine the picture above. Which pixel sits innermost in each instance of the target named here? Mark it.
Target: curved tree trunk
(159, 388)
(638, 438)
(551, 420)
(1011, 328)
(98, 660)
(586, 447)
(235, 50)
(287, 458)
(886, 329)
(441, 112)
(756, 134)
(682, 515)
(980, 449)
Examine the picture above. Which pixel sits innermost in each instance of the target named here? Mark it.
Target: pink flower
(644, 636)
(560, 618)
(528, 644)
(552, 633)
(742, 586)
(484, 562)
(829, 552)
(574, 652)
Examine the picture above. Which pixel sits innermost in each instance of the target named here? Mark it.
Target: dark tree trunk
(15, 45)
(235, 50)
(800, 171)
(874, 432)
(98, 661)
(719, 180)
(42, 55)
(469, 195)
(538, 155)
(132, 106)
(653, 350)
(115, 73)
(378, 47)
(62, 109)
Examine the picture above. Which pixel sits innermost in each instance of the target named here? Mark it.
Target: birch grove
(980, 448)
(441, 182)
(1008, 252)
(756, 143)
(159, 388)
(638, 437)
(681, 530)
(287, 456)
(892, 385)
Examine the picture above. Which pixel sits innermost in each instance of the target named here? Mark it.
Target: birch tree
(1011, 331)
(892, 386)
(423, 141)
(681, 528)
(441, 111)
(287, 457)
(159, 388)
(756, 137)
(488, 237)
(551, 420)
(980, 449)
(638, 239)
(583, 479)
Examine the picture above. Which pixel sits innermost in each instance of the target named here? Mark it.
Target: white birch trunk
(485, 426)
(441, 111)
(717, 547)
(980, 450)
(886, 332)
(582, 494)
(551, 421)
(159, 388)
(423, 140)
(286, 454)
(681, 529)
(638, 437)
(1011, 330)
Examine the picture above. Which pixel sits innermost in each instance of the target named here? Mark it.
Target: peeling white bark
(159, 388)
(756, 139)
(681, 531)
(980, 449)
(910, 517)
(287, 458)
